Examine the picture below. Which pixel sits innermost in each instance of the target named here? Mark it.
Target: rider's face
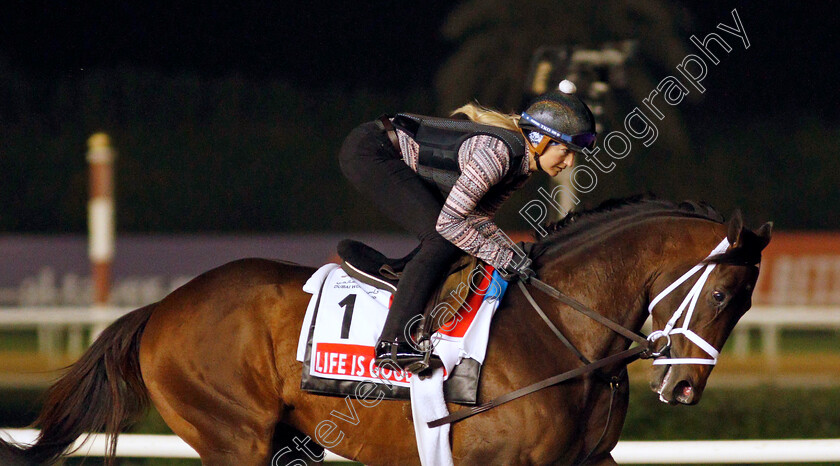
(556, 158)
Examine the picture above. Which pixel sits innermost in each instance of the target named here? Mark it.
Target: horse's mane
(618, 209)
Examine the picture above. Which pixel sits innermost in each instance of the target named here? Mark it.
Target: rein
(643, 350)
(580, 307)
(631, 354)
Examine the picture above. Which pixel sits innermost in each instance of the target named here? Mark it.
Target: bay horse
(216, 357)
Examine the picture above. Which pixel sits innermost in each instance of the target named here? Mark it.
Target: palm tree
(498, 38)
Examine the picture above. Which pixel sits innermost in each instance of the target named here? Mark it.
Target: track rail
(627, 452)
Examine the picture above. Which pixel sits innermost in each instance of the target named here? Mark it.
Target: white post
(770, 341)
(741, 345)
(48, 336)
(101, 223)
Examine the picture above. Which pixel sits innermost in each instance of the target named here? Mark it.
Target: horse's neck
(613, 275)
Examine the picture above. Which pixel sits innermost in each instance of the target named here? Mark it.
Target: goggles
(577, 141)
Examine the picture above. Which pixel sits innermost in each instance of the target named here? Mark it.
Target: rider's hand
(522, 271)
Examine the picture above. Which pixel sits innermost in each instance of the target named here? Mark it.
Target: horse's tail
(102, 392)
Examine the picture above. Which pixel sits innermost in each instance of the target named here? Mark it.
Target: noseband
(688, 303)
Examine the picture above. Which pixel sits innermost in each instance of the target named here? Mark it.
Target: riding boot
(408, 351)
(398, 342)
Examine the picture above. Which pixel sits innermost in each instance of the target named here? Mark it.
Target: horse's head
(694, 312)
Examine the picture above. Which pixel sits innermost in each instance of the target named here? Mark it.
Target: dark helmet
(562, 116)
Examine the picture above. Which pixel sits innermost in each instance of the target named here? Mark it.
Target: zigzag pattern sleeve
(409, 149)
(489, 205)
(484, 162)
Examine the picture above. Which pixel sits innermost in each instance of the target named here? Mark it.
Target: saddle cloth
(345, 317)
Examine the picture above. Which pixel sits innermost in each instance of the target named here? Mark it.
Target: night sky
(360, 44)
(792, 64)
(784, 87)
(382, 44)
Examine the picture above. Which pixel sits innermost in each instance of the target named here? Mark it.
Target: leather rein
(626, 356)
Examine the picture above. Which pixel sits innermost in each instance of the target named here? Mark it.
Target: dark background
(227, 116)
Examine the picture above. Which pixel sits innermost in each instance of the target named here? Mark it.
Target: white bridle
(688, 303)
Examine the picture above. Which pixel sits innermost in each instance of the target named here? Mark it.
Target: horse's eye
(718, 296)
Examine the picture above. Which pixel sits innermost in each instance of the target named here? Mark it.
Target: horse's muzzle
(673, 387)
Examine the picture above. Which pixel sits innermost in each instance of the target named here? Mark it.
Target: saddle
(371, 267)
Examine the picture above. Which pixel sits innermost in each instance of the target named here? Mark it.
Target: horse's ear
(736, 226)
(764, 233)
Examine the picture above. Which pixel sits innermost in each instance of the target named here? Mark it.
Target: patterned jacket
(467, 215)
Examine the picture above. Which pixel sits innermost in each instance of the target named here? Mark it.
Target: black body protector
(441, 138)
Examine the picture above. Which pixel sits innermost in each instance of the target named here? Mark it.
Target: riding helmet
(562, 116)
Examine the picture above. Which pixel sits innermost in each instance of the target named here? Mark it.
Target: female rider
(444, 179)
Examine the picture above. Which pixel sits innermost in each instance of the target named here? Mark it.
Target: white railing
(727, 451)
(627, 452)
(11, 317)
(50, 320)
(771, 319)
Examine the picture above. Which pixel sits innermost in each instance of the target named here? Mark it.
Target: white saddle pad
(349, 317)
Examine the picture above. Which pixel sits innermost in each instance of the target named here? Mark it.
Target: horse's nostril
(684, 392)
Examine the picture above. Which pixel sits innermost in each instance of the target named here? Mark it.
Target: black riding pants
(374, 167)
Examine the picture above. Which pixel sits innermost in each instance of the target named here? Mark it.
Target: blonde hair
(488, 116)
